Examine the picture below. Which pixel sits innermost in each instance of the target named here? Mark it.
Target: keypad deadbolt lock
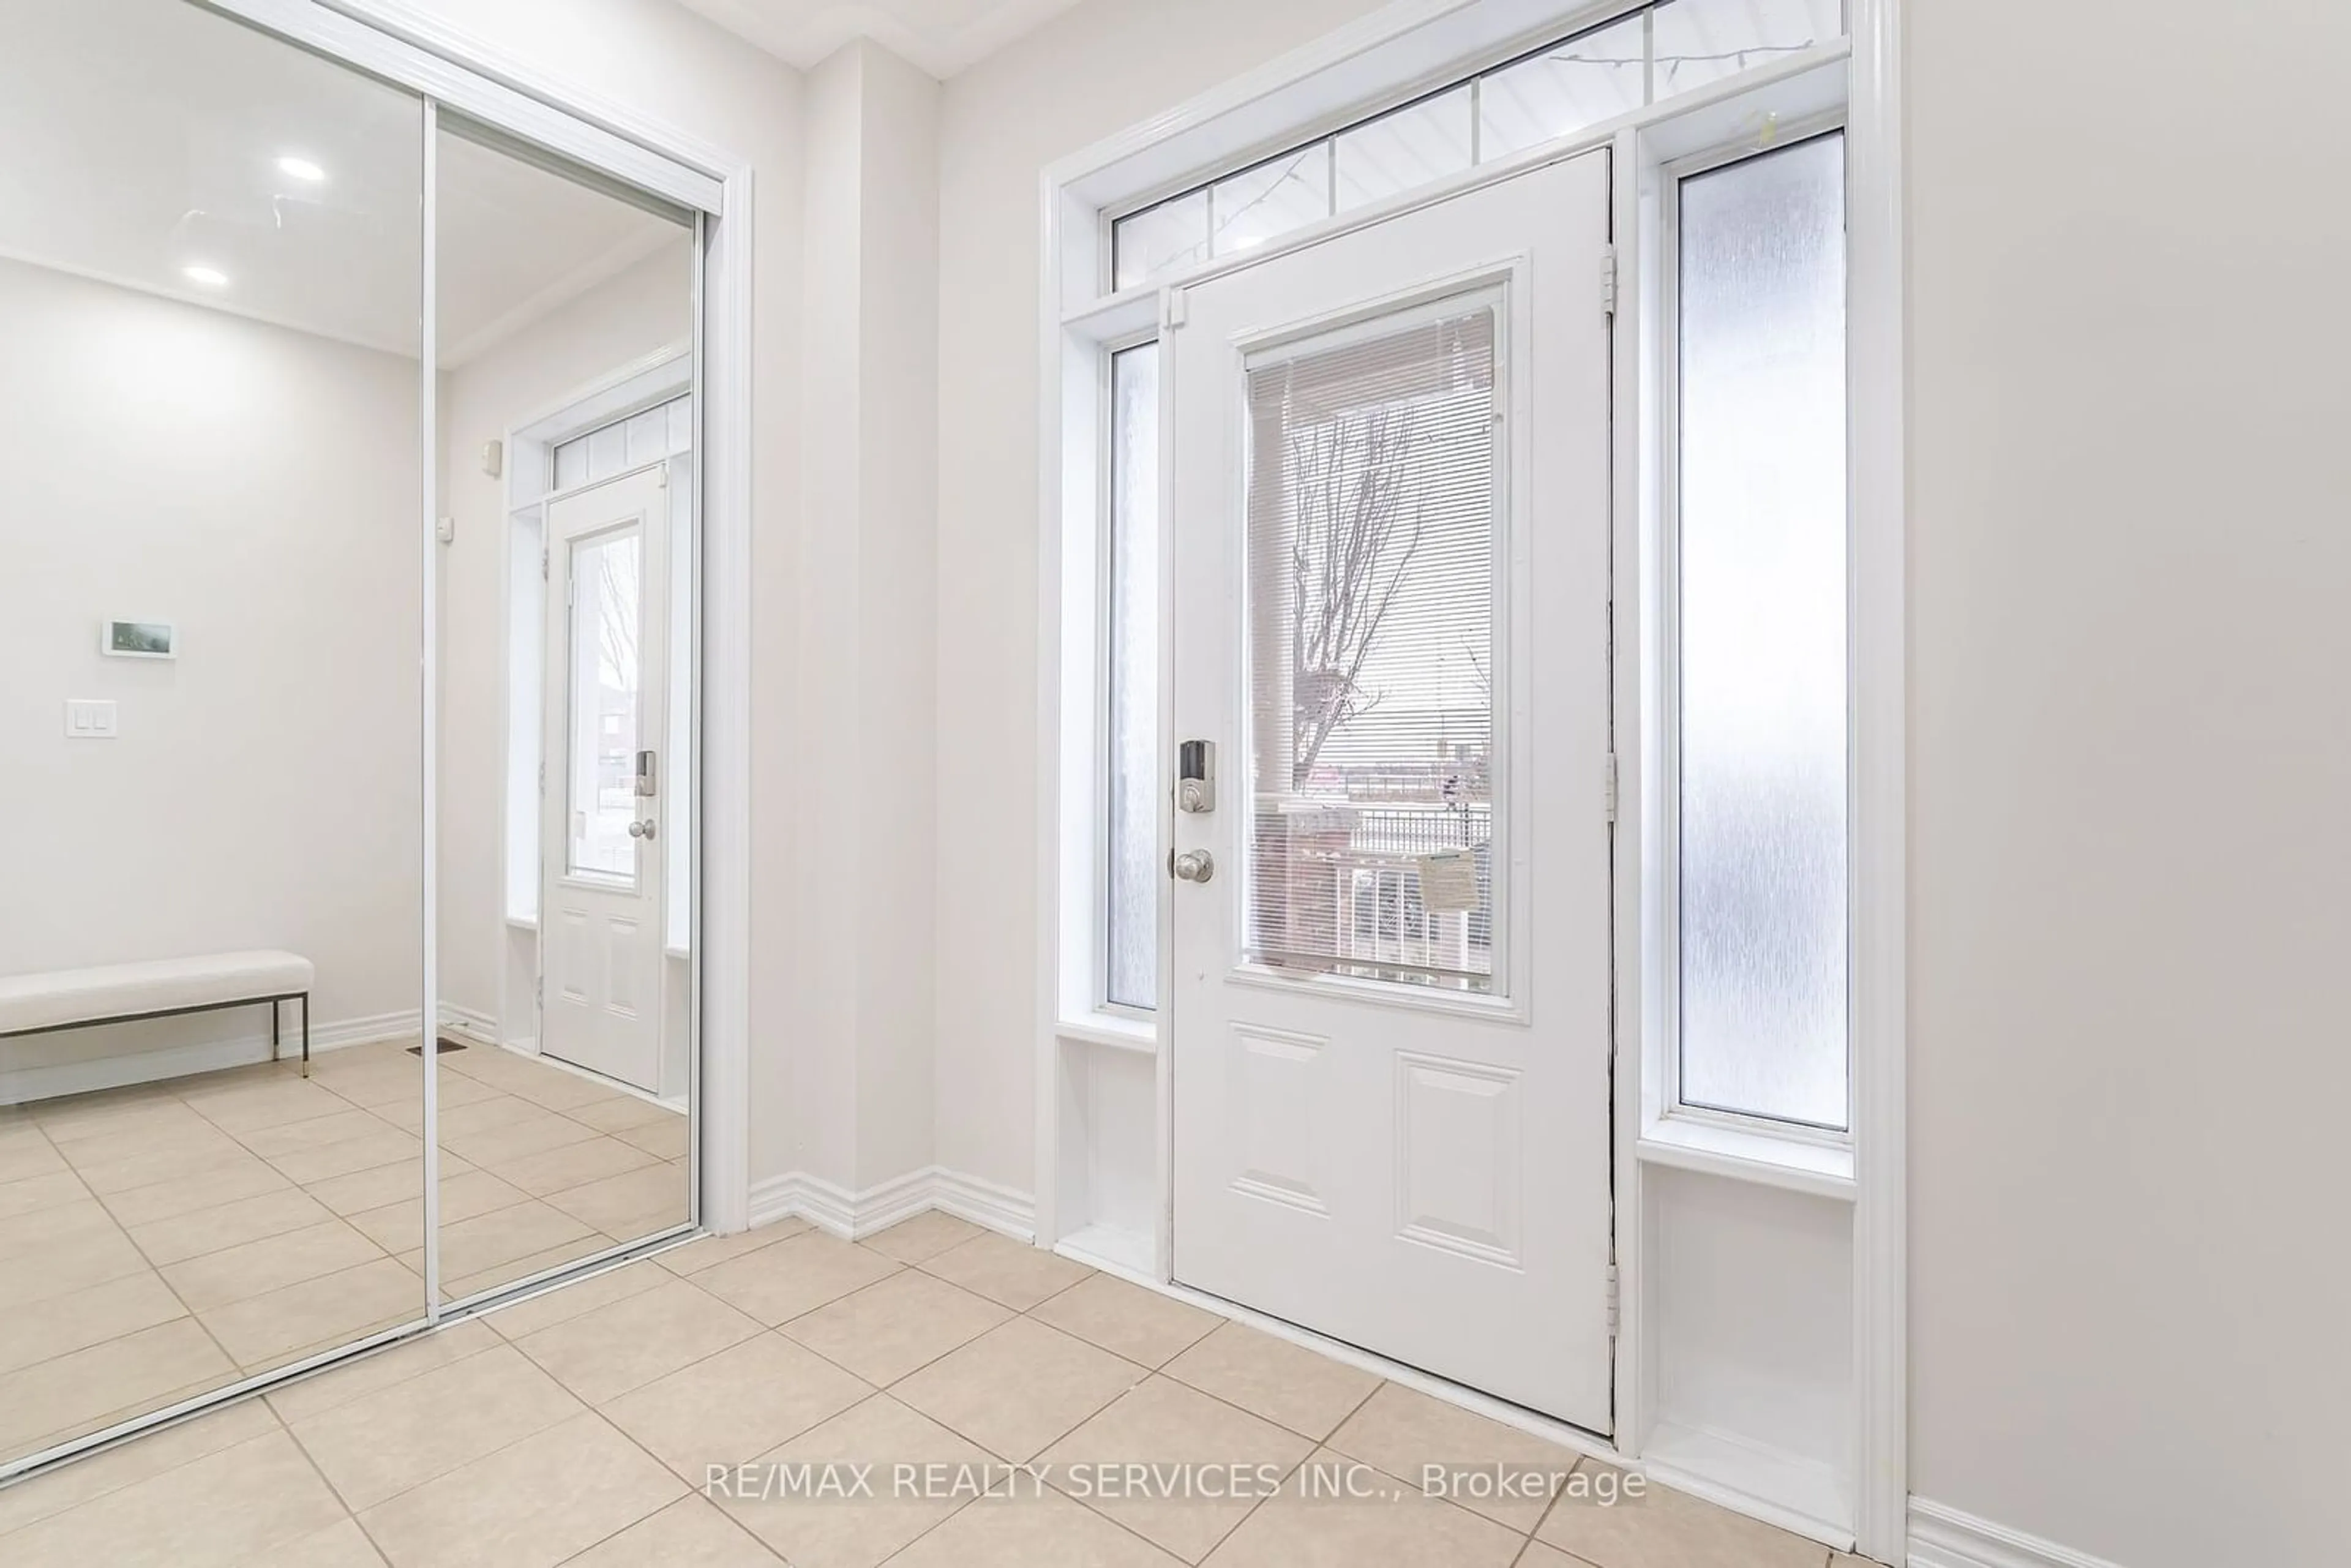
(1195, 776)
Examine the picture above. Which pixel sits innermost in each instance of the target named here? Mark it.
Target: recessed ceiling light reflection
(210, 276)
(300, 169)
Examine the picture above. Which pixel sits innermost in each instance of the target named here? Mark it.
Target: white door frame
(1537, 241)
(559, 715)
(1382, 57)
(661, 376)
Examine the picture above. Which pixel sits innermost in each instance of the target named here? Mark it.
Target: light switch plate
(89, 718)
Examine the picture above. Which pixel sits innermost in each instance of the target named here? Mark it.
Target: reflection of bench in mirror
(127, 993)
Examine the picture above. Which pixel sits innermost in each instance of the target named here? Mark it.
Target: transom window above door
(1640, 56)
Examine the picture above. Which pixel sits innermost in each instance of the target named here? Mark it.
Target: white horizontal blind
(1372, 496)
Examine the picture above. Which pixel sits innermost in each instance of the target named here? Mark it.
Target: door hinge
(1615, 1308)
(542, 565)
(1608, 786)
(1171, 309)
(1608, 280)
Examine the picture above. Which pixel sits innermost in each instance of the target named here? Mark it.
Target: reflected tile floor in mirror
(582, 1426)
(160, 1240)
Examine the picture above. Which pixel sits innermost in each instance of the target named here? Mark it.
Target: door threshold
(606, 1081)
(1567, 1435)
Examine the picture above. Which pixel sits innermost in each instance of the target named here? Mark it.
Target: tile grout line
(262, 1081)
(584, 1409)
(124, 1231)
(683, 1366)
(874, 1391)
(324, 1480)
(384, 1352)
(1148, 1373)
(1304, 1459)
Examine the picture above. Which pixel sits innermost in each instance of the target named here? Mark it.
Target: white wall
(863, 1071)
(821, 956)
(663, 61)
(2131, 756)
(257, 486)
(646, 309)
(2130, 748)
(1096, 70)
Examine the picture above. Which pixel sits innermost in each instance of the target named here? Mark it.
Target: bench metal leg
(306, 1034)
(273, 1028)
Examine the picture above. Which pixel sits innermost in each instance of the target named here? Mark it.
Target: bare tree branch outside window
(616, 615)
(1359, 526)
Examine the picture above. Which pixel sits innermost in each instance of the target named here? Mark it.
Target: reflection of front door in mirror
(607, 566)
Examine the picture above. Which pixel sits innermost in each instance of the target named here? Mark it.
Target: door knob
(641, 830)
(1193, 865)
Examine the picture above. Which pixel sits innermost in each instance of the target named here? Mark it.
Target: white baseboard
(1943, 1537)
(55, 1079)
(836, 1211)
(477, 1028)
(999, 1208)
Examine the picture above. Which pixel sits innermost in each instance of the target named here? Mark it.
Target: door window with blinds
(1374, 494)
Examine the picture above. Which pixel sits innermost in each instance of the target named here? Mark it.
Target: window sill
(1111, 1031)
(1791, 1164)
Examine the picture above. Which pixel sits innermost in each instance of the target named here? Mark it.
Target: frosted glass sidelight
(1135, 776)
(1561, 91)
(1279, 195)
(1761, 538)
(1371, 646)
(1404, 150)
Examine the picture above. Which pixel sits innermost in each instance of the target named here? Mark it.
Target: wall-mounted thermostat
(138, 639)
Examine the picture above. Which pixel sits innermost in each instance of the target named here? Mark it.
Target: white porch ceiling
(942, 36)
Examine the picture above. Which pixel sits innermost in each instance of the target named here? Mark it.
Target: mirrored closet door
(349, 623)
(209, 622)
(564, 321)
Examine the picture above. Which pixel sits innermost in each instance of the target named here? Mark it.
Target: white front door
(1389, 556)
(600, 858)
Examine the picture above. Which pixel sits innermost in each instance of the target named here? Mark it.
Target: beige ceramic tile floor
(581, 1427)
(167, 1239)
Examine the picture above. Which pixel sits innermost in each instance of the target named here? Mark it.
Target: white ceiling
(942, 36)
(141, 137)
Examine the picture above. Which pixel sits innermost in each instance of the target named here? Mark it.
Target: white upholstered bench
(120, 993)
